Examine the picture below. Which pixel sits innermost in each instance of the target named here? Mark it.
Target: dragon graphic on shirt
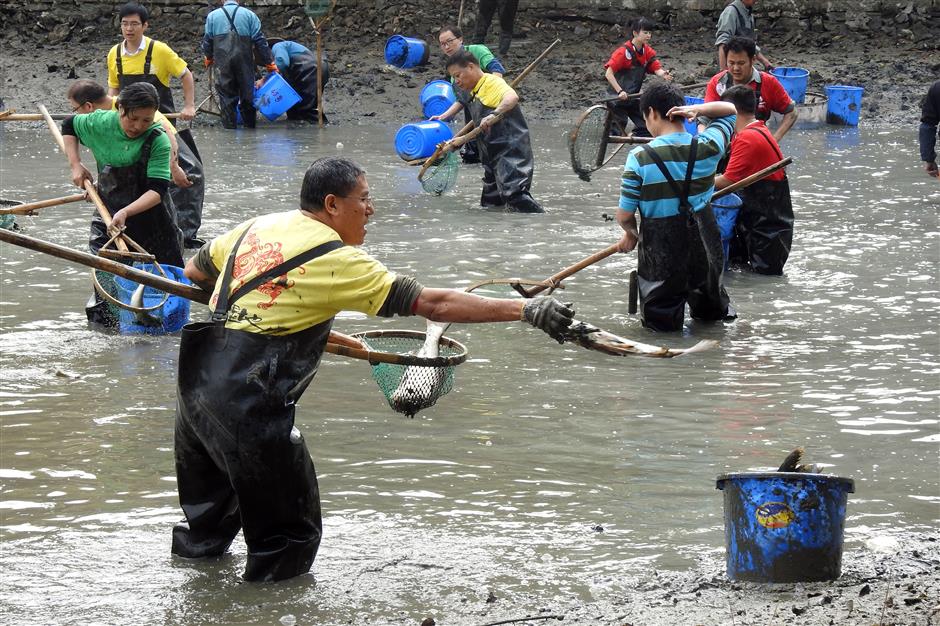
(259, 258)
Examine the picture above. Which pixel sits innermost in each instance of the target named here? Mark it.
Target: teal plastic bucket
(690, 126)
(794, 80)
(274, 97)
(783, 527)
(436, 97)
(406, 52)
(726, 210)
(419, 139)
(845, 103)
(171, 317)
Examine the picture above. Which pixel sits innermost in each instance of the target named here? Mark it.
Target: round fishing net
(441, 176)
(8, 221)
(411, 388)
(587, 142)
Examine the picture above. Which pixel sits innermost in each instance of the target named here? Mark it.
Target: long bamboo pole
(29, 208)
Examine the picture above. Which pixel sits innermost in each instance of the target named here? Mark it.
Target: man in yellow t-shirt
(139, 58)
(277, 283)
(505, 148)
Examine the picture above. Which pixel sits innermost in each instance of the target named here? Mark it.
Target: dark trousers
(507, 17)
(235, 83)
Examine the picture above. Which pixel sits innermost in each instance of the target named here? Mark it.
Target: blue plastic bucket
(794, 80)
(726, 210)
(784, 526)
(436, 97)
(690, 126)
(845, 103)
(274, 97)
(419, 139)
(169, 318)
(406, 51)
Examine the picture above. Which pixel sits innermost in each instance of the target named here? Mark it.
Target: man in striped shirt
(670, 182)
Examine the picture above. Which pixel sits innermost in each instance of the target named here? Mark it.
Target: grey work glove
(549, 315)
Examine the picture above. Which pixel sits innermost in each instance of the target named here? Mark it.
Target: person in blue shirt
(298, 65)
(670, 181)
(231, 33)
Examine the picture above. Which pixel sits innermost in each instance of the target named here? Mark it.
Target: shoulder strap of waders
(231, 18)
(772, 145)
(685, 208)
(148, 58)
(118, 60)
(226, 300)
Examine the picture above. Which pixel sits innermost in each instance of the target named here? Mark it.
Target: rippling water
(549, 473)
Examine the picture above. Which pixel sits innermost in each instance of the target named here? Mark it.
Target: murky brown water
(498, 487)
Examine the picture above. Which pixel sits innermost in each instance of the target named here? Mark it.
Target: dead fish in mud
(143, 318)
(794, 463)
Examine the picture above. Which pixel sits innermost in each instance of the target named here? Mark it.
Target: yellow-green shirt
(164, 63)
(490, 90)
(346, 279)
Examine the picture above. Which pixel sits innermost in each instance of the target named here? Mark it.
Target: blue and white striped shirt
(643, 185)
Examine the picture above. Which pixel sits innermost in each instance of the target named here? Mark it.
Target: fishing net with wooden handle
(587, 142)
(441, 176)
(411, 388)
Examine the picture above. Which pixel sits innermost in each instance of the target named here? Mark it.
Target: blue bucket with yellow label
(783, 527)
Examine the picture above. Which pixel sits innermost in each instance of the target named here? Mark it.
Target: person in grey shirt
(737, 20)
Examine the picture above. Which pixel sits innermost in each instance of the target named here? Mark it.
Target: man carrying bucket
(298, 65)
(771, 96)
(505, 148)
(277, 282)
(140, 59)
(764, 230)
(231, 32)
(451, 39)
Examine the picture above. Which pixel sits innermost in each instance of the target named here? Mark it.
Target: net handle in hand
(373, 356)
(639, 94)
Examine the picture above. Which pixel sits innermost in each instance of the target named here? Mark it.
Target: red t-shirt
(773, 97)
(751, 152)
(626, 56)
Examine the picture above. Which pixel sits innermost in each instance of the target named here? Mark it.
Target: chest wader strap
(231, 18)
(685, 208)
(226, 300)
(118, 59)
(772, 145)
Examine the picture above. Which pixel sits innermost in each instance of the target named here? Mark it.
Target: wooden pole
(29, 208)
(38, 117)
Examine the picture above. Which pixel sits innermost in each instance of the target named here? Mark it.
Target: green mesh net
(411, 388)
(441, 176)
(317, 8)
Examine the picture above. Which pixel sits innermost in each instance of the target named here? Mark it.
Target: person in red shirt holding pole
(771, 96)
(627, 67)
(764, 230)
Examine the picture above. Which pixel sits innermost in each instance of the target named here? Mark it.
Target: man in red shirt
(627, 67)
(764, 230)
(771, 96)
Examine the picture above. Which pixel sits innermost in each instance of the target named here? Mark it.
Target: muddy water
(550, 473)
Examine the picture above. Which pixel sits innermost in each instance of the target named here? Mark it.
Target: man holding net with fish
(277, 283)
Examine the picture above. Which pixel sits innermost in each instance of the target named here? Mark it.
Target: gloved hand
(549, 315)
(272, 67)
(207, 62)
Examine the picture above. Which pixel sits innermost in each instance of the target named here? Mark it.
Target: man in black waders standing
(670, 182)
(504, 146)
(231, 32)
(141, 59)
(277, 283)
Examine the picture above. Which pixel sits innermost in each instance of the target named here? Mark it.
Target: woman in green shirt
(133, 157)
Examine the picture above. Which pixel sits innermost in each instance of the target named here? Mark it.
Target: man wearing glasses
(141, 59)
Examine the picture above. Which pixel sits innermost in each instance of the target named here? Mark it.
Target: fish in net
(587, 142)
(412, 388)
(441, 176)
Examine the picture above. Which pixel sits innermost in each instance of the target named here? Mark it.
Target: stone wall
(78, 21)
